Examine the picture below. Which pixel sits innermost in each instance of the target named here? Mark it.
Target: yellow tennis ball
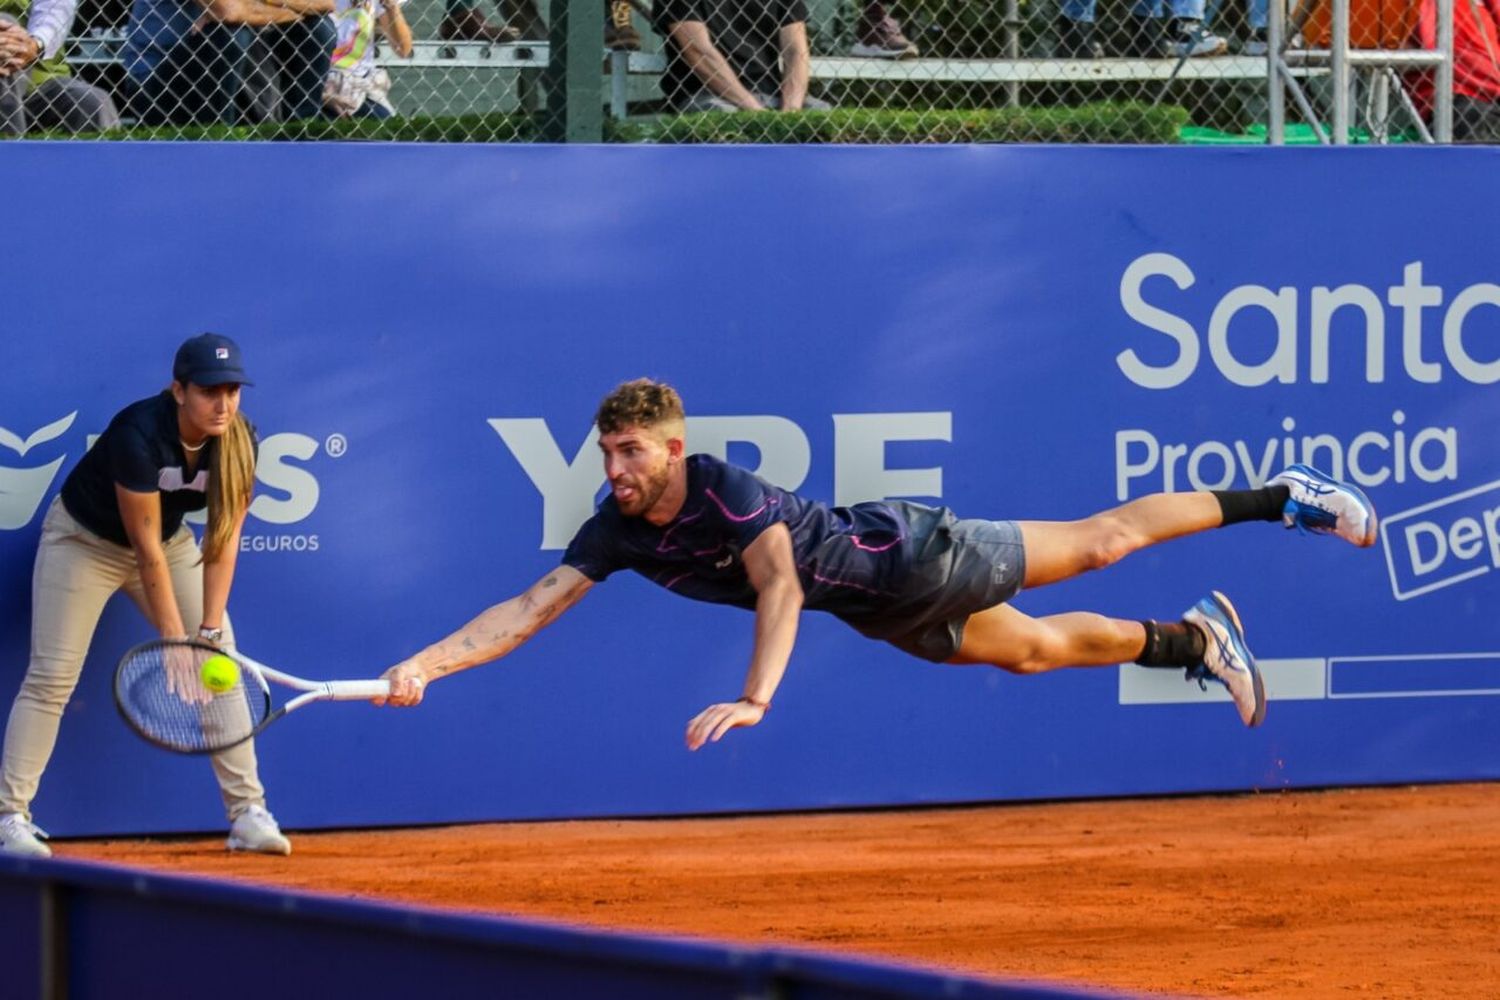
(220, 673)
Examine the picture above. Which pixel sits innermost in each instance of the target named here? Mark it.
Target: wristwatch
(212, 635)
(41, 50)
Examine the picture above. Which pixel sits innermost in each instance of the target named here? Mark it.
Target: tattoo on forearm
(551, 581)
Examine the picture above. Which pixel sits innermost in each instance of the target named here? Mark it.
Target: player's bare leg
(1060, 550)
(1209, 643)
(1012, 640)
(1300, 497)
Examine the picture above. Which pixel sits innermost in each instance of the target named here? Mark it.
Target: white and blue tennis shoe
(1325, 506)
(1226, 658)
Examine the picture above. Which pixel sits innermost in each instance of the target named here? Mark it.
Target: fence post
(575, 78)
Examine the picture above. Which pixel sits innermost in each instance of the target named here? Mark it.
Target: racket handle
(358, 690)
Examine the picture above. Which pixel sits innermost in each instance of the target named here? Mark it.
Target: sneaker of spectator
(1075, 40)
(619, 30)
(1191, 39)
(466, 24)
(878, 36)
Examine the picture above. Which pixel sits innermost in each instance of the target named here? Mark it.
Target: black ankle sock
(1171, 644)
(1264, 504)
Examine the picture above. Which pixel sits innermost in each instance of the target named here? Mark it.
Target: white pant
(76, 574)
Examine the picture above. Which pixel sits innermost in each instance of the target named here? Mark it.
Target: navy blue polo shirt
(140, 450)
(852, 561)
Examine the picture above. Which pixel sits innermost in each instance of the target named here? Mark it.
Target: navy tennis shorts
(959, 566)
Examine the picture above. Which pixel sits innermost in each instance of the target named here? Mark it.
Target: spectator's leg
(372, 109)
(1143, 30)
(1075, 31)
(1187, 33)
(463, 22)
(260, 93)
(198, 81)
(67, 105)
(523, 17)
(1259, 15)
(303, 50)
(13, 105)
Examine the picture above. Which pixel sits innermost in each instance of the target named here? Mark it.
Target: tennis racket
(161, 694)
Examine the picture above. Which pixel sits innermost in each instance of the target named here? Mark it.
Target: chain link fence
(687, 70)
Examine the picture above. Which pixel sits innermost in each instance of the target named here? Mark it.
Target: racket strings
(160, 691)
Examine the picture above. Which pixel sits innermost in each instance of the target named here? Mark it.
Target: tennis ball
(220, 673)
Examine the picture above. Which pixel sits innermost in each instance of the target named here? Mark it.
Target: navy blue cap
(209, 359)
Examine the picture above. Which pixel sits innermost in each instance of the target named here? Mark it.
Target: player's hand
(710, 725)
(184, 677)
(408, 684)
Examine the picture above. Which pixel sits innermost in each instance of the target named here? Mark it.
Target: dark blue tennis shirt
(852, 561)
(139, 450)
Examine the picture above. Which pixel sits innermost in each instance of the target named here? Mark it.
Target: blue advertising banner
(1021, 333)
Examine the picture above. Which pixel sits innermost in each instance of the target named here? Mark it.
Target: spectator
(463, 21)
(1476, 66)
(186, 60)
(878, 35)
(735, 55)
(1150, 36)
(356, 86)
(37, 90)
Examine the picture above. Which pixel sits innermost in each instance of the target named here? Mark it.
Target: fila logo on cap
(222, 353)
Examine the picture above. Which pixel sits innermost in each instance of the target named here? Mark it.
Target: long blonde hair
(231, 477)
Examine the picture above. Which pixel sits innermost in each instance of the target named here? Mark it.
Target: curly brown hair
(641, 402)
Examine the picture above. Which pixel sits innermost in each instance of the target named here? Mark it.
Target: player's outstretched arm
(493, 634)
(773, 573)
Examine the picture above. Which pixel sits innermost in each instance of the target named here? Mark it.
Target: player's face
(637, 462)
(206, 411)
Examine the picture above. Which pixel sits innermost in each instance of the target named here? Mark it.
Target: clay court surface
(1391, 892)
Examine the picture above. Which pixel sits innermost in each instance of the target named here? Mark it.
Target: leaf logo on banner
(22, 490)
(21, 446)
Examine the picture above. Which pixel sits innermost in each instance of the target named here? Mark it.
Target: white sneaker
(1194, 40)
(19, 837)
(1226, 658)
(255, 830)
(1323, 505)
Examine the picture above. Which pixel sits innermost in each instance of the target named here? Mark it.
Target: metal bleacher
(526, 59)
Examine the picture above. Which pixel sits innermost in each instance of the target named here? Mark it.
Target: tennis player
(914, 576)
(118, 523)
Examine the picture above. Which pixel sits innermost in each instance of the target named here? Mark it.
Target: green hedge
(1092, 123)
(462, 128)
